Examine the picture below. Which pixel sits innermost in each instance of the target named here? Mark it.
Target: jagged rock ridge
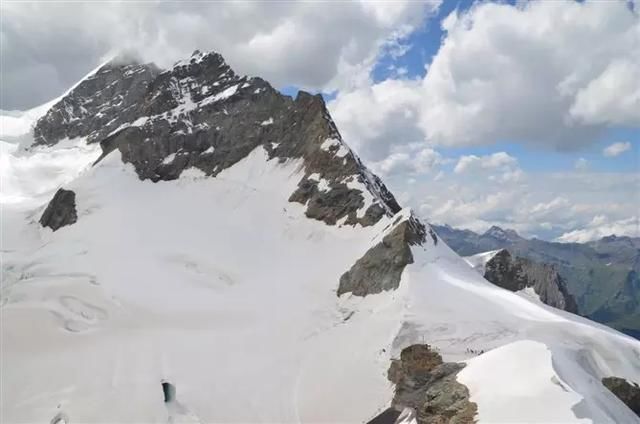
(201, 114)
(380, 268)
(516, 273)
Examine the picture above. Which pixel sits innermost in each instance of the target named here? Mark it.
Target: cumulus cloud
(317, 45)
(613, 97)
(616, 149)
(539, 72)
(551, 73)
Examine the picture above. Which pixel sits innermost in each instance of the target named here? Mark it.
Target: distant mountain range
(603, 275)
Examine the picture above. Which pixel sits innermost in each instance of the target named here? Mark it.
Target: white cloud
(549, 211)
(616, 149)
(552, 73)
(613, 97)
(543, 72)
(498, 166)
(600, 227)
(413, 159)
(374, 119)
(546, 205)
(466, 209)
(315, 45)
(492, 161)
(581, 164)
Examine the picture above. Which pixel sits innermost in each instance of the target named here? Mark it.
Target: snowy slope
(457, 308)
(225, 289)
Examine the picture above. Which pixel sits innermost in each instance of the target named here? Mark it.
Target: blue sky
(424, 43)
(544, 160)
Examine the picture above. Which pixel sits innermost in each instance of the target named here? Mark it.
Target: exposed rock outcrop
(380, 269)
(428, 385)
(60, 211)
(99, 105)
(201, 114)
(627, 392)
(516, 273)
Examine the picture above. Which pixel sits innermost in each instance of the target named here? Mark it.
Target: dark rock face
(381, 266)
(201, 114)
(99, 105)
(628, 393)
(515, 273)
(60, 211)
(428, 385)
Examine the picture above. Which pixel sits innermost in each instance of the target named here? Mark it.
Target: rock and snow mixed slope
(603, 276)
(539, 281)
(215, 223)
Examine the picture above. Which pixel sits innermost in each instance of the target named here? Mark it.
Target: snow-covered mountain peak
(201, 114)
(217, 253)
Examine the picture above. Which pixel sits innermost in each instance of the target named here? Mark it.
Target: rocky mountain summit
(603, 276)
(201, 114)
(516, 273)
